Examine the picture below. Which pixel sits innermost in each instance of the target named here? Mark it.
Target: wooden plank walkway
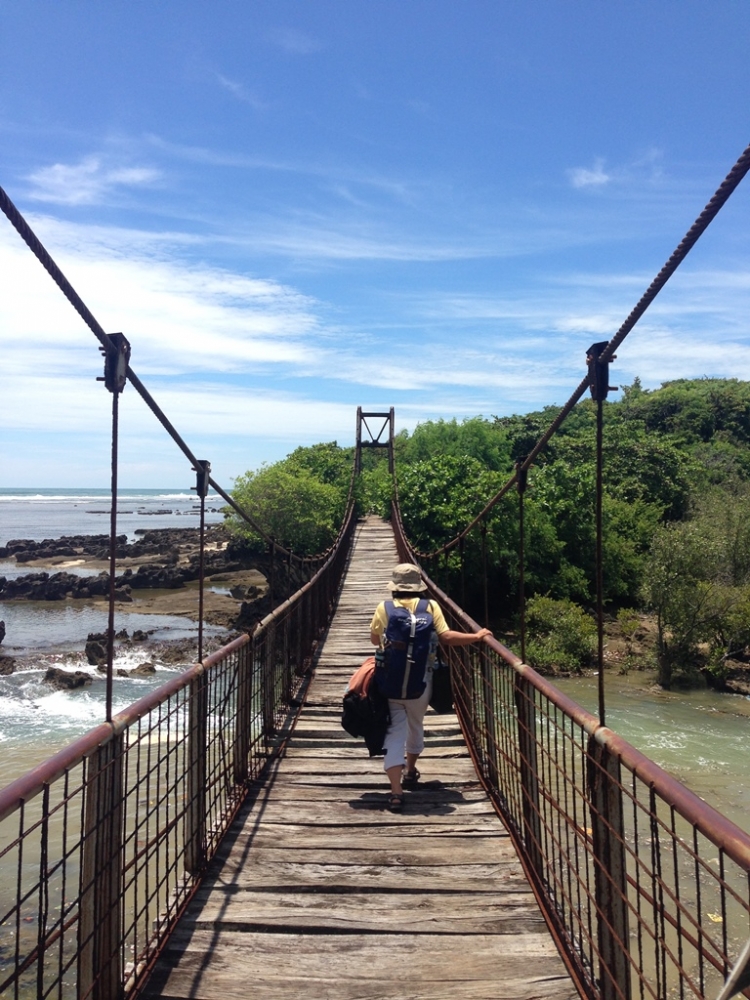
(320, 892)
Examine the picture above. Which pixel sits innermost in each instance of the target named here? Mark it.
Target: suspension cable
(42, 255)
(706, 217)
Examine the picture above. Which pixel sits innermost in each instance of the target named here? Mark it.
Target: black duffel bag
(441, 699)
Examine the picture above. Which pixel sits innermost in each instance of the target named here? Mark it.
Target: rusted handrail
(110, 836)
(620, 853)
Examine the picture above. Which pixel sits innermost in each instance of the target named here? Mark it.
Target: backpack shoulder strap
(423, 605)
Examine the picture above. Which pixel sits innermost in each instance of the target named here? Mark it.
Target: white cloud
(294, 41)
(178, 317)
(241, 92)
(582, 177)
(238, 359)
(86, 183)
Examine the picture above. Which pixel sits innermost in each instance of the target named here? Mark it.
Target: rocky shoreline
(158, 574)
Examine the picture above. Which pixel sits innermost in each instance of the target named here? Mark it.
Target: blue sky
(295, 208)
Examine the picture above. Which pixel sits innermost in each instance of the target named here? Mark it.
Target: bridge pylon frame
(374, 440)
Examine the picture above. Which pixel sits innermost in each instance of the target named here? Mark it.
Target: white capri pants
(406, 731)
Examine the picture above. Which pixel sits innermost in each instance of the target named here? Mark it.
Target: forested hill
(676, 509)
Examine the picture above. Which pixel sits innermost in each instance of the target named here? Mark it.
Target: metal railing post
(528, 765)
(299, 656)
(287, 659)
(267, 675)
(100, 932)
(195, 813)
(610, 872)
(244, 713)
(490, 718)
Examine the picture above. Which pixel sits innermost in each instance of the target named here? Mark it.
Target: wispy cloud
(241, 92)
(646, 167)
(88, 182)
(399, 188)
(583, 177)
(294, 41)
(181, 317)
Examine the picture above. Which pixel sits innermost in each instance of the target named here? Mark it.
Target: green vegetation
(676, 512)
(300, 501)
(561, 634)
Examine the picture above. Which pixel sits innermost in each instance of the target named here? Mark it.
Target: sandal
(410, 778)
(395, 803)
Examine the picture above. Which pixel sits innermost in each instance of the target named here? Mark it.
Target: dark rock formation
(252, 612)
(2, 631)
(58, 586)
(65, 680)
(145, 669)
(96, 653)
(7, 665)
(174, 560)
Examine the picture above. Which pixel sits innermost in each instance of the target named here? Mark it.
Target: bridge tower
(374, 440)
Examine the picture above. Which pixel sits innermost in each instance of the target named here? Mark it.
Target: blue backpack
(400, 671)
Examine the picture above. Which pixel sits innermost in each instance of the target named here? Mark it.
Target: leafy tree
(328, 463)
(694, 409)
(560, 634)
(682, 584)
(441, 494)
(292, 505)
(476, 437)
(374, 486)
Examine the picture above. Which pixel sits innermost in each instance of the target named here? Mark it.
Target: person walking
(404, 738)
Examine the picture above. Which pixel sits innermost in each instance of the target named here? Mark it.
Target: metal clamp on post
(202, 476)
(598, 373)
(522, 475)
(202, 470)
(116, 362)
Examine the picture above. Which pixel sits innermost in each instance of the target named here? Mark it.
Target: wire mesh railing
(102, 846)
(646, 888)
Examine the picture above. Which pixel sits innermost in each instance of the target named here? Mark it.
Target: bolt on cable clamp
(598, 372)
(522, 475)
(202, 475)
(116, 362)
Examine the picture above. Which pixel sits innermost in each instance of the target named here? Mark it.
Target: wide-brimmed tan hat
(407, 578)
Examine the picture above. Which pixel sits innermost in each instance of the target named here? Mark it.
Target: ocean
(40, 514)
(35, 719)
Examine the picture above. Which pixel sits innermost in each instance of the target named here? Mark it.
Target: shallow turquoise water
(702, 738)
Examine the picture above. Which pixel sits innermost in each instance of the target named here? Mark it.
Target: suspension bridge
(224, 836)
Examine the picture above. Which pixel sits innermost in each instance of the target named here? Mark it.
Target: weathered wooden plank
(404, 847)
(446, 769)
(364, 812)
(320, 892)
(417, 913)
(432, 750)
(295, 796)
(532, 986)
(398, 964)
(245, 873)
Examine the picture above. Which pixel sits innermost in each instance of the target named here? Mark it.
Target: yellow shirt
(380, 618)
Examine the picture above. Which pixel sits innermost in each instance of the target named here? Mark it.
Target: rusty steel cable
(30, 238)
(599, 554)
(706, 217)
(709, 213)
(112, 562)
(522, 480)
